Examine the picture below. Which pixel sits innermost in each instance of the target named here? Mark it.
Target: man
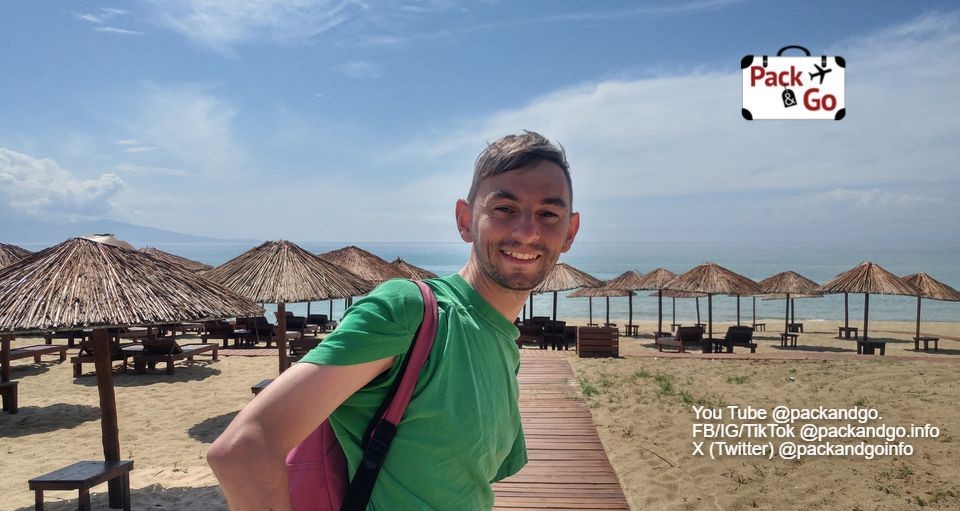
(461, 431)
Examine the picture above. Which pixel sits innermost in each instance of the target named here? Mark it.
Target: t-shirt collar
(482, 306)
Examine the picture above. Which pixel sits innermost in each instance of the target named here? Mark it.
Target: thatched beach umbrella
(10, 254)
(563, 277)
(788, 283)
(712, 279)
(603, 291)
(867, 278)
(280, 272)
(188, 264)
(627, 281)
(655, 280)
(929, 287)
(411, 271)
(363, 264)
(83, 283)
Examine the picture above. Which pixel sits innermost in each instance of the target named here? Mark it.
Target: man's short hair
(517, 151)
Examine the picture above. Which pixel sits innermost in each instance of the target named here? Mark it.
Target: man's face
(520, 222)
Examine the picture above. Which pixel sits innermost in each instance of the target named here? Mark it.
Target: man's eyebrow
(553, 201)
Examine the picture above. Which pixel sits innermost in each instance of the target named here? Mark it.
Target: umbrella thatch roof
(413, 272)
(932, 288)
(280, 271)
(599, 291)
(628, 280)
(363, 264)
(10, 254)
(788, 282)
(83, 283)
(188, 264)
(563, 277)
(868, 278)
(712, 278)
(657, 279)
(671, 293)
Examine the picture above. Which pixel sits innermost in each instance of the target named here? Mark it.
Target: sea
(606, 260)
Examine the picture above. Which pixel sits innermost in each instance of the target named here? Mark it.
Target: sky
(348, 120)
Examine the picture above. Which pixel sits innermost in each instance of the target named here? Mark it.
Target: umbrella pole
(738, 310)
(608, 311)
(918, 321)
(710, 316)
(674, 311)
(630, 307)
(866, 314)
(698, 309)
(786, 316)
(659, 311)
(282, 335)
(590, 300)
(754, 312)
(109, 428)
(846, 312)
(531, 305)
(554, 305)
(4, 357)
(308, 309)
(793, 310)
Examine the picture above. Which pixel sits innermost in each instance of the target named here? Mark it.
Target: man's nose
(526, 230)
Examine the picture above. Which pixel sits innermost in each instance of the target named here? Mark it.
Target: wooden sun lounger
(737, 336)
(686, 336)
(119, 352)
(167, 350)
(37, 351)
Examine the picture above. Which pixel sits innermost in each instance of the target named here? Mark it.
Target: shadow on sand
(154, 497)
(208, 430)
(195, 371)
(31, 420)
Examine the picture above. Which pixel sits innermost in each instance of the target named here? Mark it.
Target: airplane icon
(821, 72)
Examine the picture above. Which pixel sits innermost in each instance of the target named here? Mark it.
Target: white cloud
(128, 141)
(148, 170)
(361, 69)
(189, 124)
(875, 198)
(39, 187)
(222, 23)
(140, 149)
(114, 30)
(682, 135)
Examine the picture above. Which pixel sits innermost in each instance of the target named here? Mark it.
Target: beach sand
(641, 404)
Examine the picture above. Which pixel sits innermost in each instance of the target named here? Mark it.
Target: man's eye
(503, 209)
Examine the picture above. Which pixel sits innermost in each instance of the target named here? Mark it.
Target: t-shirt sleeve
(377, 326)
(515, 460)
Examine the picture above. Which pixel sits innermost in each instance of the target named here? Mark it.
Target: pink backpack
(317, 467)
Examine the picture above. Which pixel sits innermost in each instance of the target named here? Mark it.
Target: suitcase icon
(784, 87)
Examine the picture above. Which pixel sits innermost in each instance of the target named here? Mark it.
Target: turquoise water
(607, 260)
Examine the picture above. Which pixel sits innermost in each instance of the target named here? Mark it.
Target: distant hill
(37, 231)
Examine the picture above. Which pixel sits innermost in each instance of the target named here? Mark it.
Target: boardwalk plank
(567, 468)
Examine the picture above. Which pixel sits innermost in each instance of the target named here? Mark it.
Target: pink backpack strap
(382, 431)
(423, 342)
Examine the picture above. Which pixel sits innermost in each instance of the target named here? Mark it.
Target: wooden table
(759, 327)
(674, 326)
(631, 330)
(926, 340)
(847, 332)
(789, 338)
(795, 327)
(82, 476)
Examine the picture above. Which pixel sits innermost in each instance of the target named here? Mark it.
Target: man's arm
(249, 457)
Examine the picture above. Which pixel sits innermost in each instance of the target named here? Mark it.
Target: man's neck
(506, 301)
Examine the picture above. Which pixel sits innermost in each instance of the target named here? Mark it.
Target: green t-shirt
(461, 430)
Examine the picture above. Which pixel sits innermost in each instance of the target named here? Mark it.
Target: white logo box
(780, 87)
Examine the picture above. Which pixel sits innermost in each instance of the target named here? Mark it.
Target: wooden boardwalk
(568, 468)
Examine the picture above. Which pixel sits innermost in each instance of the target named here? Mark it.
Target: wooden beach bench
(788, 339)
(82, 476)
(262, 384)
(870, 347)
(37, 351)
(70, 335)
(847, 332)
(598, 342)
(926, 340)
(760, 327)
(167, 350)
(117, 352)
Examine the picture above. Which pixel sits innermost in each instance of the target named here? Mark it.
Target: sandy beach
(642, 405)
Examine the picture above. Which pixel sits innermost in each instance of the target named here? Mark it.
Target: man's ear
(571, 231)
(464, 214)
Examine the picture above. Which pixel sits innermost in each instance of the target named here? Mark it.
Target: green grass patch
(737, 380)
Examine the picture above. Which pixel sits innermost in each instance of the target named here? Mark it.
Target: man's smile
(520, 256)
